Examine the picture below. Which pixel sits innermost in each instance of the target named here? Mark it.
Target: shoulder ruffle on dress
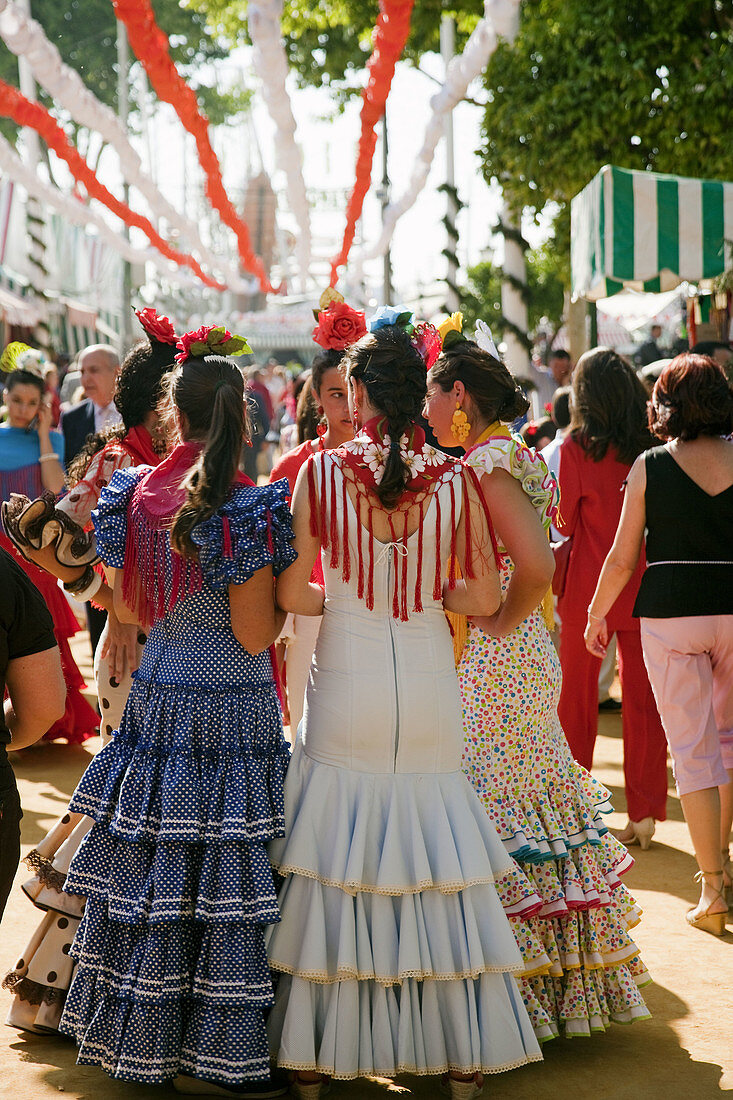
(252, 529)
(526, 466)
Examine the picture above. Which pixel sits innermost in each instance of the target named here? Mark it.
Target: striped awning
(648, 232)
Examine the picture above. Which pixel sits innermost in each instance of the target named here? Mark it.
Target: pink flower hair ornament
(427, 342)
(210, 340)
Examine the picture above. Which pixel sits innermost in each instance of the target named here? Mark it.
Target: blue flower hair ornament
(391, 315)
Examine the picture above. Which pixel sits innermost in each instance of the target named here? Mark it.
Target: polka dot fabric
(172, 975)
(548, 811)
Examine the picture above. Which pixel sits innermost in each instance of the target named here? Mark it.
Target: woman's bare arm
(294, 589)
(480, 593)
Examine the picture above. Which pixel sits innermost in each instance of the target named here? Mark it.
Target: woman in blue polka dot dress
(172, 980)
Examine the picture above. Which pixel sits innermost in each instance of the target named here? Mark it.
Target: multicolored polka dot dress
(172, 976)
(547, 809)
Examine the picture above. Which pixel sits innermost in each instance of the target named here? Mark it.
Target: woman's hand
(120, 646)
(596, 636)
(45, 419)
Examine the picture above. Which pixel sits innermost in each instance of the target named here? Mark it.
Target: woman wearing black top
(682, 493)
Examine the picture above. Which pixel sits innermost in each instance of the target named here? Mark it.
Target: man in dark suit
(99, 365)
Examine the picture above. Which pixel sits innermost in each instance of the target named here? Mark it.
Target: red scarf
(362, 461)
(139, 445)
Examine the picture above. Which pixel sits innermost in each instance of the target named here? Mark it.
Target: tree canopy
(645, 86)
(328, 41)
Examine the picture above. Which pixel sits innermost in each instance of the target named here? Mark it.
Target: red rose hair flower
(156, 326)
(339, 326)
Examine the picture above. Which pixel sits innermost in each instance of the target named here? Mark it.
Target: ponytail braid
(209, 393)
(394, 376)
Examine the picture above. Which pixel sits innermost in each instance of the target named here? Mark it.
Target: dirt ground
(684, 1051)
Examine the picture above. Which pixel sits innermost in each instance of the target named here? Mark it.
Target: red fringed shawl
(361, 463)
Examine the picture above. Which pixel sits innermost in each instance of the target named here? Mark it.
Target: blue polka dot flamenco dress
(172, 976)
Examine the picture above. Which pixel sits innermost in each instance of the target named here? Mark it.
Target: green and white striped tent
(648, 232)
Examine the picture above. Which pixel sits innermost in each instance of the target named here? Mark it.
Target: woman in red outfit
(338, 327)
(607, 433)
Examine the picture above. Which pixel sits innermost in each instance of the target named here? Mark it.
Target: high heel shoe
(714, 923)
(638, 832)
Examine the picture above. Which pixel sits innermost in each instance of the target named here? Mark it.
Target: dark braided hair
(493, 390)
(608, 407)
(394, 376)
(209, 393)
(138, 391)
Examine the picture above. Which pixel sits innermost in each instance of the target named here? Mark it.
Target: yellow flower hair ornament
(451, 330)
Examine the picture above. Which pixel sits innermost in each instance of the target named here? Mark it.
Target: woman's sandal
(714, 923)
(309, 1090)
(463, 1090)
(727, 875)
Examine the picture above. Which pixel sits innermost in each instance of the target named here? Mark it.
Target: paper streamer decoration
(500, 21)
(150, 46)
(392, 29)
(13, 104)
(271, 66)
(78, 213)
(26, 37)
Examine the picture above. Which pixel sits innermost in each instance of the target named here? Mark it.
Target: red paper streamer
(393, 27)
(13, 104)
(150, 45)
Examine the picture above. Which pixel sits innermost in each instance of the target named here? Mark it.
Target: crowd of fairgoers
(435, 593)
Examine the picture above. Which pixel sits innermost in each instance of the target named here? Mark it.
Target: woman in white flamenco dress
(394, 952)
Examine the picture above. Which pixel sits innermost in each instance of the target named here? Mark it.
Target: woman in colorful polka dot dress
(42, 973)
(546, 807)
(172, 981)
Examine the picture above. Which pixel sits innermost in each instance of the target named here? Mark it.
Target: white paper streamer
(26, 37)
(270, 64)
(12, 167)
(500, 21)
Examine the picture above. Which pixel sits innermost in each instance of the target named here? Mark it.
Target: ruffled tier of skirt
(393, 952)
(350, 1029)
(191, 766)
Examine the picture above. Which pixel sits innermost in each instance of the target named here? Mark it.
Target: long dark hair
(608, 407)
(22, 377)
(138, 391)
(394, 376)
(493, 390)
(209, 393)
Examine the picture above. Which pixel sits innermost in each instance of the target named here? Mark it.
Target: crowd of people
(424, 585)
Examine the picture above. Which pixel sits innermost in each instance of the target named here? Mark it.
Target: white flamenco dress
(394, 952)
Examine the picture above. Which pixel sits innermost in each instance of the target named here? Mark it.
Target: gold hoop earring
(459, 425)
